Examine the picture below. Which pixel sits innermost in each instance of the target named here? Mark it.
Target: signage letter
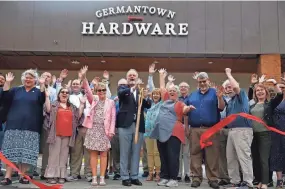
(87, 26)
(183, 29)
(156, 30)
(131, 29)
(169, 28)
(101, 29)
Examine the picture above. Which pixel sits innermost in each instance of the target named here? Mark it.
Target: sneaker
(116, 176)
(195, 184)
(51, 181)
(214, 184)
(172, 183)
(187, 179)
(179, 179)
(36, 174)
(224, 183)
(94, 181)
(61, 181)
(162, 182)
(270, 184)
(73, 178)
(102, 181)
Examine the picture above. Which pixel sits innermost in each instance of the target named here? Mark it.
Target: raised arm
(150, 83)
(9, 78)
(47, 102)
(85, 84)
(232, 80)
(106, 76)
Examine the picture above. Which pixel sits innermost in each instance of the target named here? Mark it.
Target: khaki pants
(211, 155)
(223, 168)
(144, 157)
(153, 159)
(77, 153)
(239, 152)
(184, 159)
(58, 158)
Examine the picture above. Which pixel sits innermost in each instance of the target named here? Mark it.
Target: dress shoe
(136, 182)
(145, 174)
(116, 176)
(126, 183)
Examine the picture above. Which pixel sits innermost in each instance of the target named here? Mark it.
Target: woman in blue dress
(24, 122)
(277, 156)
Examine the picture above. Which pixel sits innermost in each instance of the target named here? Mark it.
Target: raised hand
(151, 69)
(106, 74)
(68, 85)
(83, 99)
(171, 78)
(228, 71)
(63, 74)
(195, 75)
(9, 77)
(95, 81)
(53, 79)
(42, 80)
(162, 71)
(253, 79)
(220, 91)
(283, 78)
(262, 79)
(83, 72)
(139, 81)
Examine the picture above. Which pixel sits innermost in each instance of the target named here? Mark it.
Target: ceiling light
(103, 61)
(75, 62)
(210, 62)
(49, 60)
(155, 62)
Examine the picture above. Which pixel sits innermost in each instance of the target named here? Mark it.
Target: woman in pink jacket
(100, 122)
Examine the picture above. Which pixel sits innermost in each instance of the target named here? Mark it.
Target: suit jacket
(4, 108)
(109, 112)
(129, 107)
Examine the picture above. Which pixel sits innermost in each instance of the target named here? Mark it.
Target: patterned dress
(277, 155)
(96, 138)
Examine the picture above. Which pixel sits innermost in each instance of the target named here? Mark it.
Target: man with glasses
(184, 158)
(208, 102)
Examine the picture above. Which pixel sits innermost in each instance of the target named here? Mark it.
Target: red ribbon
(39, 184)
(204, 140)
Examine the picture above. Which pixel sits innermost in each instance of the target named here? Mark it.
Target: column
(270, 65)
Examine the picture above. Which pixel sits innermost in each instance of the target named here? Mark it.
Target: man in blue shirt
(240, 135)
(208, 103)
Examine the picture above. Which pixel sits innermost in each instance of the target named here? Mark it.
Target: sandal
(6, 181)
(24, 181)
(150, 177)
(51, 181)
(157, 177)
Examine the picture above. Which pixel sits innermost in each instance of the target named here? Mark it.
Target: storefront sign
(140, 27)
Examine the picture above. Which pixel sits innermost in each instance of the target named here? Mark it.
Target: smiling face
(203, 84)
(29, 81)
(101, 91)
(156, 96)
(2, 80)
(63, 95)
(76, 86)
(229, 90)
(260, 93)
(184, 88)
(173, 93)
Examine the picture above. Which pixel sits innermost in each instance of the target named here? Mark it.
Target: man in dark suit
(3, 113)
(126, 123)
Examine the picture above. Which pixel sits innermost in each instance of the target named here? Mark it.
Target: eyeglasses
(64, 92)
(101, 90)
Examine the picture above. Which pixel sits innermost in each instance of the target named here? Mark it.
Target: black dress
(277, 156)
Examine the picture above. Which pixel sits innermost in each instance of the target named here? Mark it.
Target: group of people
(65, 123)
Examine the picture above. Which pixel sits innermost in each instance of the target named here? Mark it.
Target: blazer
(128, 108)
(109, 112)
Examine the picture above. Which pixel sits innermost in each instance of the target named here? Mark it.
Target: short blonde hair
(132, 70)
(31, 72)
(101, 85)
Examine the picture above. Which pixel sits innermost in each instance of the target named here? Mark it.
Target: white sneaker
(102, 181)
(162, 182)
(94, 181)
(172, 183)
(71, 178)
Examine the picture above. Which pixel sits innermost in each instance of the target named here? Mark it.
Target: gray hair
(202, 75)
(121, 81)
(31, 72)
(176, 87)
(227, 82)
(132, 70)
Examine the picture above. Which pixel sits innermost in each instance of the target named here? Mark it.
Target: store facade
(115, 35)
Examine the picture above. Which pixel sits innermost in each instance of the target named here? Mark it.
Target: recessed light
(75, 62)
(155, 62)
(210, 62)
(49, 60)
(103, 61)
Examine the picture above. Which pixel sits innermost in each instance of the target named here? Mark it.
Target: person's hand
(283, 78)
(171, 78)
(189, 108)
(53, 79)
(9, 77)
(254, 79)
(220, 91)
(116, 99)
(83, 72)
(271, 81)
(139, 81)
(42, 80)
(228, 71)
(106, 75)
(151, 69)
(63, 74)
(68, 85)
(163, 72)
(262, 79)
(83, 99)
(47, 93)
(95, 81)
(195, 75)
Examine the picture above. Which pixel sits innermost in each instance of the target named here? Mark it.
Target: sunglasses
(101, 90)
(64, 92)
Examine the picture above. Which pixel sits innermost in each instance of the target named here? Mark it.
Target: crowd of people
(83, 120)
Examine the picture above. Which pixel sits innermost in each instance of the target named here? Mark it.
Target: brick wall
(270, 65)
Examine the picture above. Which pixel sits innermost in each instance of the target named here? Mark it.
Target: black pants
(260, 148)
(169, 157)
